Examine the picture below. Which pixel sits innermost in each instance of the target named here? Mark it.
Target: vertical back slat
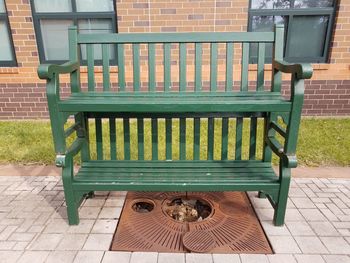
(99, 142)
(182, 69)
(154, 138)
(277, 54)
(182, 138)
(229, 66)
(167, 66)
(112, 139)
(105, 67)
(168, 138)
(252, 141)
(136, 66)
(151, 67)
(239, 132)
(224, 136)
(126, 128)
(210, 154)
(213, 66)
(198, 66)
(90, 65)
(74, 55)
(196, 138)
(245, 64)
(261, 63)
(140, 139)
(121, 67)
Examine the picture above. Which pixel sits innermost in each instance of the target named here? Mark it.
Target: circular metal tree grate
(210, 222)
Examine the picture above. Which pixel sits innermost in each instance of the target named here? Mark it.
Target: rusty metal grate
(231, 227)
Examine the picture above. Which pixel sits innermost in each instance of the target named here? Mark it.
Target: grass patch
(322, 142)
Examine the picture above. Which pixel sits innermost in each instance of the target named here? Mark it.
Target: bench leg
(90, 194)
(261, 194)
(282, 198)
(70, 196)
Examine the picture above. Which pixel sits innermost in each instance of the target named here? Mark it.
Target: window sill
(315, 66)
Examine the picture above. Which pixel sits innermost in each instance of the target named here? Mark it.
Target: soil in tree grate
(210, 222)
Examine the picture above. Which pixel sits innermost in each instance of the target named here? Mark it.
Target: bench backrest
(163, 137)
(175, 61)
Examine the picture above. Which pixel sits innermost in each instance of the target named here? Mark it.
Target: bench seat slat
(175, 103)
(158, 186)
(183, 164)
(179, 170)
(132, 95)
(177, 175)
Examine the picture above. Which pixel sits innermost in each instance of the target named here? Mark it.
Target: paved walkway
(33, 225)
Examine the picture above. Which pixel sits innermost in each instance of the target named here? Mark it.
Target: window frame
(74, 16)
(13, 62)
(291, 13)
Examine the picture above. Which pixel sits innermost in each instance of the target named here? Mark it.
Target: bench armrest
(302, 71)
(286, 152)
(47, 71)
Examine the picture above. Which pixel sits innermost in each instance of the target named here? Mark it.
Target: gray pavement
(33, 225)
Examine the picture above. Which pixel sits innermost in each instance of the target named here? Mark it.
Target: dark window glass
(312, 3)
(287, 4)
(315, 28)
(5, 43)
(270, 4)
(94, 5)
(87, 26)
(308, 27)
(54, 35)
(264, 24)
(52, 19)
(7, 54)
(53, 6)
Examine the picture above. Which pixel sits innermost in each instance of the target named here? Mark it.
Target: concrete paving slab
(319, 234)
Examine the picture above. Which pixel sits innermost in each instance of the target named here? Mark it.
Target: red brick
(168, 11)
(327, 111)
(341, 102)
(338, 91)
(314, 112)
(223, 4)
(325, 102)
(345, 111)
(322, 91)
(195, 17)
(140, 5)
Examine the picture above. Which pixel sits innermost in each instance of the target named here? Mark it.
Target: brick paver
(33, 225)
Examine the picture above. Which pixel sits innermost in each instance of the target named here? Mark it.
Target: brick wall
(22, 94)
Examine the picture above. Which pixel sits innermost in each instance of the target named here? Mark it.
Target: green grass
(322, 142)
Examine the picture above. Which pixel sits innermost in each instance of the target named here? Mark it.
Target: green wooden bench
(168, 138)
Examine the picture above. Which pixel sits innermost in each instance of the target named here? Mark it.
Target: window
(7, 53)
(53, 17)
(308, 26)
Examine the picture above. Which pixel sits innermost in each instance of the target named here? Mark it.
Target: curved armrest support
(47, 71)
(289, 160)
(62, 159)
(302, 71)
